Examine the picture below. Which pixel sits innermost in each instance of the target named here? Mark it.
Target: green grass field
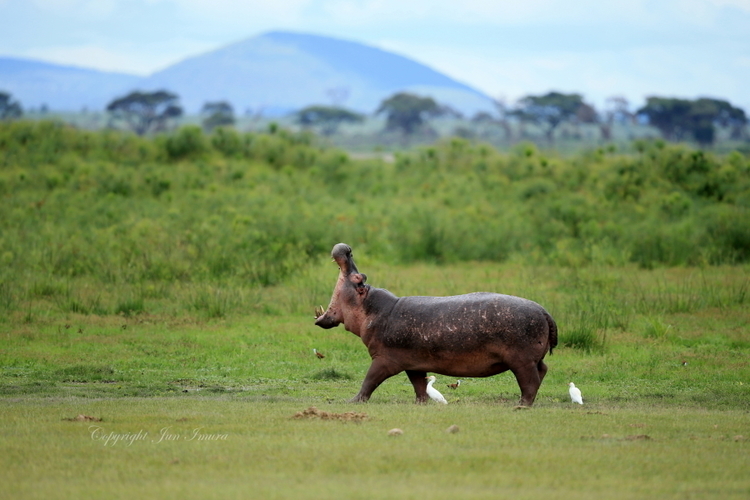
(203, 408)
(244, 446)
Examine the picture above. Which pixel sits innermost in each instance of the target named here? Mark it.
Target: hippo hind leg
(542, 367)
(529, 378)
(419, 381)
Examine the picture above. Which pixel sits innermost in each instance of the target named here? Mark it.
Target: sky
(506, 49)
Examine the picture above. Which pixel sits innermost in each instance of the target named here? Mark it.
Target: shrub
(188, 142)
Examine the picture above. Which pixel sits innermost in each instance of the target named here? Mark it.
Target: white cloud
(248, 12)
(739, 4)
(139, 60)
(481, 12)
(83, 8)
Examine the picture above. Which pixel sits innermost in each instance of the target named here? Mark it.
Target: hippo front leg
(378, 372)
(419, 381)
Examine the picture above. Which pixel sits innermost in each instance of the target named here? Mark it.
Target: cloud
(238, 11)
(139, 60)
(739, 4)
(480, 12)
(84, 8)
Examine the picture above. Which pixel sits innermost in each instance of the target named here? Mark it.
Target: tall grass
(256, 208)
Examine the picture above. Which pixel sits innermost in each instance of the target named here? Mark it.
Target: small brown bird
(318, 354)
(455, 386)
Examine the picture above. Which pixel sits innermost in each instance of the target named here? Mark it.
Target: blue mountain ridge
(385, 69)
(274, 73)
(69, 88)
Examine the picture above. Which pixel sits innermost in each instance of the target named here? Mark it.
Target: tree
(328, 118)
(616, 110)
(669, 115)
(217, 114)
(549, 110)
(407, 112)
(682, 119)
(9, 108)
(503, 113)
(146, 112)
(708, 113)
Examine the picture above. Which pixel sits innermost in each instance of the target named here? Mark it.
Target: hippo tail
(552, 331)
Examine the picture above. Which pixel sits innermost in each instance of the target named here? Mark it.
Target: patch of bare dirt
(313, 412)
(83, 418)
(638, 437)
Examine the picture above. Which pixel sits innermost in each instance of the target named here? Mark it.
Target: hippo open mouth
(342, 255)
(349, 287)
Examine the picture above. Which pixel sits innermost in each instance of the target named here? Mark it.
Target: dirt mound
(83, 418)
(313, 412)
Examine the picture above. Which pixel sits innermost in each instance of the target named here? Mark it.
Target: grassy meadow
(156, 317)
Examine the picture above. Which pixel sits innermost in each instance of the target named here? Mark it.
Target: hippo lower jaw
(323, 320)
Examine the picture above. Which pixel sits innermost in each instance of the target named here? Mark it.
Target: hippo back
(464, 322)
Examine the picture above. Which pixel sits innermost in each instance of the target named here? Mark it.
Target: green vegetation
(170, 283)
(665, 386)
(250, 446)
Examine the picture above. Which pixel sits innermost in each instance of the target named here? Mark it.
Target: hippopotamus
(473, 335)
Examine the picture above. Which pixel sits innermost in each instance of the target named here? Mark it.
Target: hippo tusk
(319, 311)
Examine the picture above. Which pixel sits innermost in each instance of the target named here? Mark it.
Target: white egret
(434, 393)
(575, 394)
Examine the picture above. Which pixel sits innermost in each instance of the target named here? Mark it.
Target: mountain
(273, 73)
(64, 88)
(282, 71)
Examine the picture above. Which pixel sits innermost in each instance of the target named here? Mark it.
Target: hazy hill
(282, 71)
(275, 73)
(70, 88)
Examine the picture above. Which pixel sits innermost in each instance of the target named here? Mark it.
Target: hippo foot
(358, 399)
(522, 407)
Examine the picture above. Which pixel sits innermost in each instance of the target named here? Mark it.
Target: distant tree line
(676, 119)
(408, 114)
